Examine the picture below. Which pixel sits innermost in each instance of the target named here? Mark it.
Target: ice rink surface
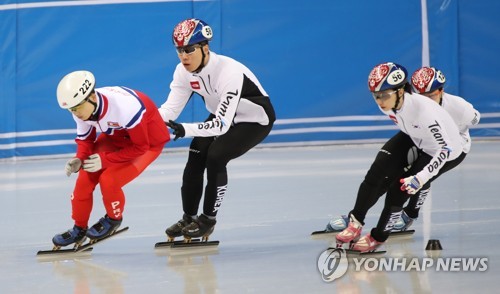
(276, 198)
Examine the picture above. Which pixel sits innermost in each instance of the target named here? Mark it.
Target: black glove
(178, 129)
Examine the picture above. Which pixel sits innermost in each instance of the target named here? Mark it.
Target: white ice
(276, 198)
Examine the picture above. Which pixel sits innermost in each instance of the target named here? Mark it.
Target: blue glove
(411, 184)
(178, 129)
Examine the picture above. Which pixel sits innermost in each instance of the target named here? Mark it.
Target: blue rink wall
(313, 59)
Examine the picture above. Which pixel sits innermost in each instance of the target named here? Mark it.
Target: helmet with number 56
(74, 88)
(386, 76)
(191, 31)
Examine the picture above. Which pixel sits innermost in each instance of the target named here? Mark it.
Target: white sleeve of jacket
(177, 99)
(462, 112)
(224, 114)
(441, 138)
(470, 116)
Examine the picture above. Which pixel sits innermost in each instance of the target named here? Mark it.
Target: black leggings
(393, 162)
(389, 165)
(213, 154)
(396, 198)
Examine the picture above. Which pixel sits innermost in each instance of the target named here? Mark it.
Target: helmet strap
(398, 98)
(94, 116)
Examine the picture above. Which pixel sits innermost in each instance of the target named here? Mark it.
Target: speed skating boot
(175, 230)
(366, 244)
(351, 234)
(337, 224)
(403, 223)
(76, 236)
(201, 227)
(103, 228)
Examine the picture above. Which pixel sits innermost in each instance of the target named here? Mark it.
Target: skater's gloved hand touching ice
(73, 165)
(93, 163)
(178, 129)
(411, 184)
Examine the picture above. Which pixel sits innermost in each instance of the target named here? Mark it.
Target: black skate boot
(175, 230)
(103, 228)
(201, 227)
(75, 235)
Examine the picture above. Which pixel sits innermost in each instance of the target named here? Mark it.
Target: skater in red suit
(132, 135)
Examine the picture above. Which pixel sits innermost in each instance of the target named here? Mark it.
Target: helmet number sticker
(395, 77)
(207, 32)
(85, 87)
(440, 77)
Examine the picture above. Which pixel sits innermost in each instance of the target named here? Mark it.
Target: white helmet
(74, 88)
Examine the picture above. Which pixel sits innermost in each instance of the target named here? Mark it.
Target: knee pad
(411, 157)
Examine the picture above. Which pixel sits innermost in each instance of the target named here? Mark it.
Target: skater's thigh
(394, 155)
(237, 141)
(397, 148)
(121, 174)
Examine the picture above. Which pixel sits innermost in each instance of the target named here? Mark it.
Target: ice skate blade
(95, 241)
(357, 252)
(194, 244)
(87, 248)
(170, 243)
(324, 233)
(401, 233)
(61, 252)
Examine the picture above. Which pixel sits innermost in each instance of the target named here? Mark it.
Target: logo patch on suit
(195, 85)
(112, 124)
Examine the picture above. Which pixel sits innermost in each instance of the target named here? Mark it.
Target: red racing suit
(132, 136)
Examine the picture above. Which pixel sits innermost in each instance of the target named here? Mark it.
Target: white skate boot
(337, 224)
(404, 223)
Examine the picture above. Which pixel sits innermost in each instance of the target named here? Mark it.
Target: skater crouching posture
(423, 123)
(429, 82)
(132, 136)
(241, 116)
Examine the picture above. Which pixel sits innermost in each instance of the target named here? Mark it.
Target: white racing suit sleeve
(177, 99)
(440, 157)
(471, 118)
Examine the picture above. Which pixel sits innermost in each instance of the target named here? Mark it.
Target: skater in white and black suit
(241, 116)
(424, 124)
(429, 82)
